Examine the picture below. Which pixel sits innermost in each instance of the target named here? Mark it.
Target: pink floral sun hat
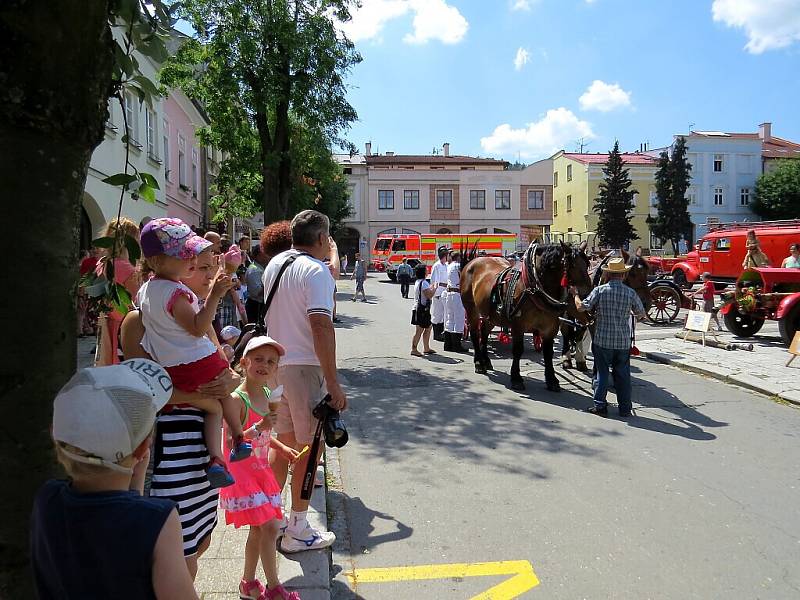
(172, 237)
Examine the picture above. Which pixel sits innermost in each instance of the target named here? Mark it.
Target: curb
(661, 359)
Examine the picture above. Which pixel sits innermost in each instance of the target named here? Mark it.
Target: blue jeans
(620, 363)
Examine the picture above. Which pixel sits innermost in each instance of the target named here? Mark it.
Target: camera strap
(286, 264)
(311, 465)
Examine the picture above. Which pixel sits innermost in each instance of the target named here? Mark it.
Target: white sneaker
(308, 539)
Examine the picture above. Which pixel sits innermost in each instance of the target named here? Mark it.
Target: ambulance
(390, 250)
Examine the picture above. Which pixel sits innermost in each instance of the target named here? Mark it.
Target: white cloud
(436, 20)
(604, 97)
(557, 129)
(521, 59)
(769, 24)
(521, 5)
(433, 20)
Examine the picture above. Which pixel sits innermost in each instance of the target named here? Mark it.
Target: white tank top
(167, 342)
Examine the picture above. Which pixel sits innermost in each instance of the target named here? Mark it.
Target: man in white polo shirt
(300, 319)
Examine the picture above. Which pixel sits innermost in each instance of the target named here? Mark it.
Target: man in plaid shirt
(613, 303)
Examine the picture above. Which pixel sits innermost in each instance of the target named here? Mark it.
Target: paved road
(694, 497)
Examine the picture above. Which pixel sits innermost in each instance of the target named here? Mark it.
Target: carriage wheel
(665, 305)
(742, 324)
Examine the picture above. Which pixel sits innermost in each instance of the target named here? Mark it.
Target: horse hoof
(581, 366)
(480, 370)
(518, 386)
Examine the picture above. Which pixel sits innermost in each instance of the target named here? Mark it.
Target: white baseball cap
(109, 411)
(263, 340)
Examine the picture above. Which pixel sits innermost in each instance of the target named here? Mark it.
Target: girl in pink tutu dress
(255, 498)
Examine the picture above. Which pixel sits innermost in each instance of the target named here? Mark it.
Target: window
(719, 196)
(718, 163)
(635, 199)
(691, 198)
(555, 207)
(411, 199)
(535, 199)
(705, 245)
(569, 203)
(167, 172)
(132, 117)
(502, 199)
(555, 179)
(386, 199)
(482, 230)
(744, 197)
(195, 182)
(181, 161)
(444, 199)
(655, 242)
(653, 202)
(399, 246)
(477, 199)
(498, 230)
(569, 172)
(152, 134)
(348, 171)
(723, 245)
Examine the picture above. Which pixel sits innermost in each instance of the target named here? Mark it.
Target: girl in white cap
(255, 499)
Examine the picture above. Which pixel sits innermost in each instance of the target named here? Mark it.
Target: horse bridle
(537, 287)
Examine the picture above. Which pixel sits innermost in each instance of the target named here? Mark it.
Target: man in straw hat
(613, 303)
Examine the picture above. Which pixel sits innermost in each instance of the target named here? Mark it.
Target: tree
(672, 220)
(777, 193)
(60, 63)
(269, 67)
(614, 205)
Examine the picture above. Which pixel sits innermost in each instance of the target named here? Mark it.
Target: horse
(572, 337)
(530, 299)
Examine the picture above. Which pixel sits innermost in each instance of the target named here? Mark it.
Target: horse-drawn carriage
(667, 299)
(761, 294)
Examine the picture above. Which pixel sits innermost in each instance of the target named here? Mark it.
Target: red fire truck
(390, 250)
(721, 251)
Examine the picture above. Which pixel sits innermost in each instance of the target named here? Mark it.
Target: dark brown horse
(535, 303)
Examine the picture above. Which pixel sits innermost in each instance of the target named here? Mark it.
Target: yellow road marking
(523, 579)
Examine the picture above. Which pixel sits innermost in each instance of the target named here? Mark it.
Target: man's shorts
(303, 388)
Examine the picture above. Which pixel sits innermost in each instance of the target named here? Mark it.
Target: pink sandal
(251, 590)
(280, 593)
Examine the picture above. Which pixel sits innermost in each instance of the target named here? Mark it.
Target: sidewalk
(763, 370)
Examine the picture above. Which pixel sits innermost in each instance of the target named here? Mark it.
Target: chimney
(446, 148)
(765, 131)
(390, 154)
(368, 147)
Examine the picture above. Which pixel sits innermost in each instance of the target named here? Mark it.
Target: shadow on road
(361, 520)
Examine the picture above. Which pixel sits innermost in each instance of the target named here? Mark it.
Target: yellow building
(576, 185)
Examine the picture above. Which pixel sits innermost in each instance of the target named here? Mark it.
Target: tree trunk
(56, 63)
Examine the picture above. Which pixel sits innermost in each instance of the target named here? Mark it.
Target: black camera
(332, 424)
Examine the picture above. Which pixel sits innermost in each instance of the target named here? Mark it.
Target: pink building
(185, 192)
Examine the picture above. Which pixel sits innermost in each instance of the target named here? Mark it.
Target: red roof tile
(779, 148)
(630, 158)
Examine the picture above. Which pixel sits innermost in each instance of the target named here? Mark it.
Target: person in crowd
(343, 262)
(334, 266)
(276, 238)
(215, 239)
(178, 332)
(360, 275)
(404, 274)
(439, 285)
(613, 303)
(793, 260)
(228, 336)
(244, 244)
(453, 307)
(231, 310)
(254, 501)
(87, 312)
(126, 275)
(254, 307)
(94, 535)
(639, 251)
(423, 293)
(224, 244)
(299, 319)
(755, 256)
(707, 292)
(180, 452)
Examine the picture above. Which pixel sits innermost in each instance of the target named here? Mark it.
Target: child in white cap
(94, 535)
(228, 336)
(179, 334)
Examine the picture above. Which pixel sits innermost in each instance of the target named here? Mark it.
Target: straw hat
(616, 265)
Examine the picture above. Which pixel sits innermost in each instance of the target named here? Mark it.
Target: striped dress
(180, 459)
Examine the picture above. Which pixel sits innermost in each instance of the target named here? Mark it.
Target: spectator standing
(300, 319)
(707, 292)
(755, 256)
(254, 307)
(793, 260)
(613, 303)
(439, 285)
(244, 244)
(454, 318)
(94, 535)
(404, 273)
(343, 262)
(276, 238)
(423, 293)
(360, 275)
(215, 239)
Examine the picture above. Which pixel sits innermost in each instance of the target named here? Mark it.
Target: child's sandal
(218, 475)
(280, 593)
(241, 449)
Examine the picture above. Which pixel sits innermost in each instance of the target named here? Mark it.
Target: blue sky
(439, 71)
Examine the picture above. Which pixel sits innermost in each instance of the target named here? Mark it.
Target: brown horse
(536, 301)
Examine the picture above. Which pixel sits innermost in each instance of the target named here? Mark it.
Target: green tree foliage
(672, 220)
(777, 193)
(270, 71)
(614, 205)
